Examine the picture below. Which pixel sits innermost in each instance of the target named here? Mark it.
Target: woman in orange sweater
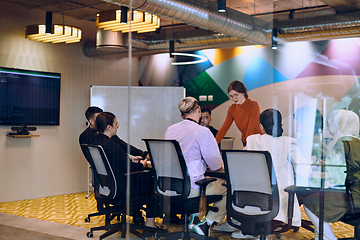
(243, 111)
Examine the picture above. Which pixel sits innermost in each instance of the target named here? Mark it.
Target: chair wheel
(87, 219)
(277, 235)
(295, 229)
(89, 235)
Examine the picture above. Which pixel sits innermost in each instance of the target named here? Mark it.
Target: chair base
(307, 225)
(121, 227)
(185, 234)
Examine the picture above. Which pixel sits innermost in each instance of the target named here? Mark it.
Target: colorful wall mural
(318, 76)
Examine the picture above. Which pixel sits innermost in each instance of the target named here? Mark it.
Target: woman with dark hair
(285, 155)
(243, 111)
(141, 187)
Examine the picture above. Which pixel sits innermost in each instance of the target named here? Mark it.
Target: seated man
(206, 120)
(200, 151)
(107, 125)
(89, 134)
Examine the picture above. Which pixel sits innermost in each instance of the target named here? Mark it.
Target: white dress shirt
(287, 158)
(199, 148)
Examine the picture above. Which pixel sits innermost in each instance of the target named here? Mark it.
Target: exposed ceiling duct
(326, 27)
(196, 24)
(232, 23)
(143, 47)
(231, 29)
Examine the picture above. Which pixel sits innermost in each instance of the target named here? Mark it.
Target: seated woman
(344, 125)
(286, 156)
(107, 126)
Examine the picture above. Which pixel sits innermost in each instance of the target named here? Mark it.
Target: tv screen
(29, 97)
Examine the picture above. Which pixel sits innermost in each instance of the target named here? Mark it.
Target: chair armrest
(291, 190)
(137, 173)
(205, 181)
(203, 184)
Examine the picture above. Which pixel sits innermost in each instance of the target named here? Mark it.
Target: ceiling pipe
(143, 47)
(326, 27)
(232, 23)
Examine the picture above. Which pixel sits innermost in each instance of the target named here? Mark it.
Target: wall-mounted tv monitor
(29, 97)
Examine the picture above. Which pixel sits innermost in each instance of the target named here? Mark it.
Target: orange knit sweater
(246, 117)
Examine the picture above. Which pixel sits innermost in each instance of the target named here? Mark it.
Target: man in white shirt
(200, 151)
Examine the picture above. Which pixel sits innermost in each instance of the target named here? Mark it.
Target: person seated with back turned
(200, 151)
(344, 125)
(89, 135)
(140, 187)
(287, 162)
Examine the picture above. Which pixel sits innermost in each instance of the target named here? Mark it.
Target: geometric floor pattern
(72, 209)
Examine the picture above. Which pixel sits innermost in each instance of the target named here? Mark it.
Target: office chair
(172, 185)
(352, 216)
(252, 193)
(91, 166)
(105, 189)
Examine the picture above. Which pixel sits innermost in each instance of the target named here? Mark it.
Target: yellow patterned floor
(72, 209)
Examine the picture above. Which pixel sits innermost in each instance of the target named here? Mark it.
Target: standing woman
(243, 111)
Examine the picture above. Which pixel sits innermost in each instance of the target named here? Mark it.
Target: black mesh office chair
(172, 184)
(105, 189)
(252, 193)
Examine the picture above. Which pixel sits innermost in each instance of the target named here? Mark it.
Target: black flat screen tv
(29, 97)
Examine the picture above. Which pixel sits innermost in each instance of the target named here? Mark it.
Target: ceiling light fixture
(53, 33)
(141, 22)
(201, 59)
(221, 5)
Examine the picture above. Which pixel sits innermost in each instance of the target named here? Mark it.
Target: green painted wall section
(203, 84)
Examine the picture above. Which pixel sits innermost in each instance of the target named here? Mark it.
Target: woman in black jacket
(140, 187)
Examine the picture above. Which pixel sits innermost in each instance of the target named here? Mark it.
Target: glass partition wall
(197, 51)
(296, 78)
(304, 80)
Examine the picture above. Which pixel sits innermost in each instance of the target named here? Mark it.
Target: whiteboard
(152, 110)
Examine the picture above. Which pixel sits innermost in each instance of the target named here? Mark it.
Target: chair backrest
(105, 186)
(252, 192)
(352, 157)
(171, 177)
